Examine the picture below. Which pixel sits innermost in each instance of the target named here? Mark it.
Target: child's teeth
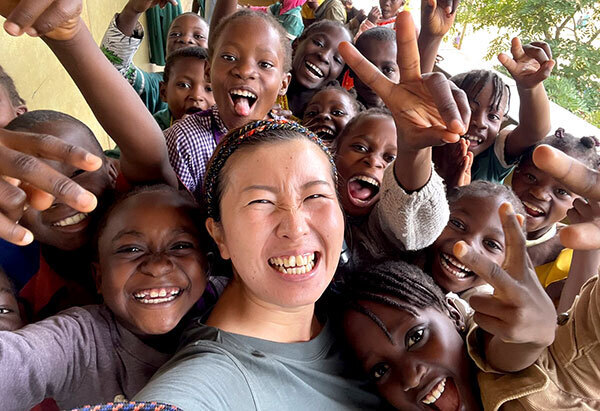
(435, 393)
(369, 180)
(74, 219)
(446, 259)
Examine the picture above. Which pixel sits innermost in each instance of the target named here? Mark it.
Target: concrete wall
(42, 81)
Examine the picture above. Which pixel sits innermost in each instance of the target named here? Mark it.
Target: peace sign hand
(530, 64)
(519, 316)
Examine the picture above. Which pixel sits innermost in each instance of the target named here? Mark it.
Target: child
(11, 103)
(496, 151)
(546, 202)
(10, 315)
(328, 112)
(124, 36)
(64, 234)
(364, 149)
(184, 87)
(150, 269)
(382, 16)
(288, 13)
(410, 339)
(473, 220)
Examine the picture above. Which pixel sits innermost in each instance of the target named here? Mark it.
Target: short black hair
(372, 112)
(335, 85)
(194, 52)
(8, 84)
(394, 283)
(377, 34)
(31, 119)
(320, 25)
(284, 43)
(472, 82)
(482, 188)
(582, 149)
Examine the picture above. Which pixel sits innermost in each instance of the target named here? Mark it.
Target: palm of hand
(526, 70)
(439, 22)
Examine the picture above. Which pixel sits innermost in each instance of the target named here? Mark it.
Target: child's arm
(131, 13)
(436, 20)
(519, 319)
(116, 106)
(530, 65)
(223, 8)
(26, 181)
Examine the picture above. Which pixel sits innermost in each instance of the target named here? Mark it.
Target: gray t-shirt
(80, 356)
(218, 370)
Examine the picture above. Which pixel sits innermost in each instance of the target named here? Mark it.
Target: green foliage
(571, 28)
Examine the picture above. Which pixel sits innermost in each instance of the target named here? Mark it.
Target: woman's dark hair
(8, 84)
(285, 46)
(250, 135)
(396, 284)
(481, 188)
(194, 52)
(583, 149)
(195, 211)
(472, 82)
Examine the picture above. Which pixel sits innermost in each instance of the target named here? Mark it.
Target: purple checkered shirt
(190, 143)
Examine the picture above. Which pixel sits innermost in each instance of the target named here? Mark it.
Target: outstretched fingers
(582, 236)
(366, 71)
(451, 104)
(408, 58)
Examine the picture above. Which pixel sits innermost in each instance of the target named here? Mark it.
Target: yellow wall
(42, 81)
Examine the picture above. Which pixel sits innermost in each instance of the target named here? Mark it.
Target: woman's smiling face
(281, 222)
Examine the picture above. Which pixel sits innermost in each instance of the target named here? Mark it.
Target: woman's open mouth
(295, 264)
(363, 190)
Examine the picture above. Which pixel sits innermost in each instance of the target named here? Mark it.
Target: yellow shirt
(567, 374)
(308, 13)
(556, 270)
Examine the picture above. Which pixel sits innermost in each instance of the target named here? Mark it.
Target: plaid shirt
(190, 143)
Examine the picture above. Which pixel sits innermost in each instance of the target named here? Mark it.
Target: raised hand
(579, 179)
(519, 317)
(453, 163)
(374, 15)
(530, 64)
(438, 16)
(55, 19)
(140, 6)
(28, 181)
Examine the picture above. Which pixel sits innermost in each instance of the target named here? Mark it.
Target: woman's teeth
(74, 219)
(435, 393)
(454, 266)
(157, 295)
(314, 70)
(295, 264)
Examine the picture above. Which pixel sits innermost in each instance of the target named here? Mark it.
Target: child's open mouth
(314, 70)
(453, 266)
(473, 140)
(325, 133)
(157, 295)
(532, 210)
(295, 264)
(70, 221)
(193, 110)
(443, 396)
(363, 190)
(243, 100)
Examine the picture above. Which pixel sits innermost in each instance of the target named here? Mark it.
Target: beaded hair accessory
(234, 139)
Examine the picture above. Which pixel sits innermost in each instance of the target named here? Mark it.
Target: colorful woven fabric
(129, 406)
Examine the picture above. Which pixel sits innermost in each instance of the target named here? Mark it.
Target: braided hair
(472, 82)
(583, 149)
(252, 134)
(396, 284)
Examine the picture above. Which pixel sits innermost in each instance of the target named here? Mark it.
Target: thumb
(508, 62)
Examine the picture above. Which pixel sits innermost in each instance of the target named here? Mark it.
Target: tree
(571, 28)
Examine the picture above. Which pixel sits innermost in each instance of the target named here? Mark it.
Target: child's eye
(338, 113)
(494, 245)
(414, 336)
(129, 249)
(174, 34)
(77, 172)
(531, 178)
(562, 192)
(457, 223)
(228, 57)
(389, 158)
(378, 371)
(182, 245)
(388, 71)
(265, 64)
(208, 89)
(181, 84)
(338, 60)
(5, 310)
(494, 117)
(311, 113)
(199, 36)
(360, 148)
(318, 43)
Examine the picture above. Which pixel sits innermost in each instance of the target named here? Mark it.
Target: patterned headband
(234, 139)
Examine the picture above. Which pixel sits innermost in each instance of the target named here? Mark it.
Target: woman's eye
(338, 113)
(457, 223)
(260, 201)
(182, 245)
(315, 196)
(5, 310)
(414, 337)
(378, 371)
(360, 148)
(491, 244)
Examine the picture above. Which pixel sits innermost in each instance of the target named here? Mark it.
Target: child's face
(427, 355)
(327, 114)
(383, 55)
(8, 112)
(362, 155)
(10, 317)
(389, 8)
(185, 31)
(151, 269)
(485, 120)
(247, 71)
(474, 220)
(317, 60)
(61, 226)
(187, 91)
(545, 199)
